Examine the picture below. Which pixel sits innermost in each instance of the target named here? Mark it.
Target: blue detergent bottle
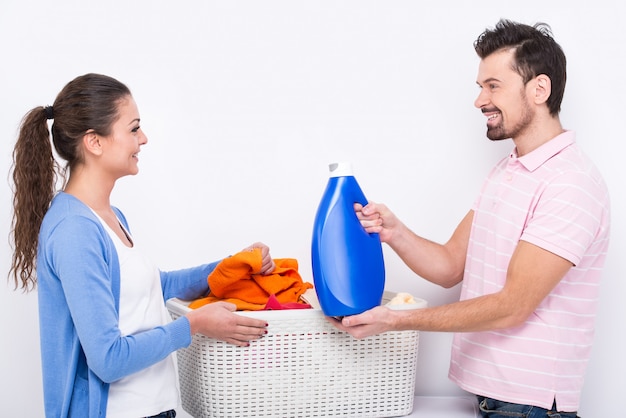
(348, 265)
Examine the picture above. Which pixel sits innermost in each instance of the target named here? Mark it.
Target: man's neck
(537, 135)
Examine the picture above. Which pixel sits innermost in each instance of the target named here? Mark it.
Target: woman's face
(122, 146)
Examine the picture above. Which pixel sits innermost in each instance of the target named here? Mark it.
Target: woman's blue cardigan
(82, 349)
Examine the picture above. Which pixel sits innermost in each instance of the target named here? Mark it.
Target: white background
(246, 102)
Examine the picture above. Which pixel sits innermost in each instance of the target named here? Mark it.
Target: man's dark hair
(536, 52)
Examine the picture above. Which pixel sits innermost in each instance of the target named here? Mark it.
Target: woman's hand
(218, 320)
(267, 265)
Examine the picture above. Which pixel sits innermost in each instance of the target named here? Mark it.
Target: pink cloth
(556, 199)
(273, 304)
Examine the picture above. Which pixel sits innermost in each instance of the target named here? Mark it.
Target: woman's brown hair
(89, 102)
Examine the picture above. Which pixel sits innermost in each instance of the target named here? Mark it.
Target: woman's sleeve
(187, 284)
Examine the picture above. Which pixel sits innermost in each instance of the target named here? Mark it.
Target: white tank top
(154, 389)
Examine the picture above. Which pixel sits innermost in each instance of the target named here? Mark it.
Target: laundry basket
(303, 367)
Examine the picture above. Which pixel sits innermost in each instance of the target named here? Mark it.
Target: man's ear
(543, 88)
(92, 143)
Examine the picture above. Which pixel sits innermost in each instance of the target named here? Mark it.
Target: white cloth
(155, 388)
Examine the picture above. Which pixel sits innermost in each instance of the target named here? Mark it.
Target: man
(529, 252)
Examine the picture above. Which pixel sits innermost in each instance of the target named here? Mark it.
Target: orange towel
(233, 280)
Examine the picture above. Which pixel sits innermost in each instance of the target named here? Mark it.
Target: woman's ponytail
(34, 177)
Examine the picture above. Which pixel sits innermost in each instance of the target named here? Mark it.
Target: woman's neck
(90, 190)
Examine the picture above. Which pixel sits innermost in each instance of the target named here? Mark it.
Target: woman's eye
(136, 129)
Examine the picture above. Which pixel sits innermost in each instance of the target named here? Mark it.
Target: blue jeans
(492, 408)
(167, 414)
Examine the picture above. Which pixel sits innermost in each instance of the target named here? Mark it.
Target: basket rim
(180, 307)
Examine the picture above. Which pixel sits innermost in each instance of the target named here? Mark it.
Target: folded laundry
(234, 280)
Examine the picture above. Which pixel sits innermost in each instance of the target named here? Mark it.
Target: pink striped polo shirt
(555, 198)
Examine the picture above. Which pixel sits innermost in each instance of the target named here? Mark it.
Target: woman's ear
(92, 143)
(543, 88)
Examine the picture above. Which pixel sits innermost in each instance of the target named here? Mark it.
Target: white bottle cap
(340, 169)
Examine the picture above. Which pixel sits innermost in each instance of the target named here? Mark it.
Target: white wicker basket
(303, 367)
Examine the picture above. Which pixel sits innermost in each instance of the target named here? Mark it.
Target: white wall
(246, 102)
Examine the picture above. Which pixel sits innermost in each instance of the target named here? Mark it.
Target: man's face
(503, 97)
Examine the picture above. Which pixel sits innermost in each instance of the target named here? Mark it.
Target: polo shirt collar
(539, 156)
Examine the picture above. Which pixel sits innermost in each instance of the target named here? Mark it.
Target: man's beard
(498, 132)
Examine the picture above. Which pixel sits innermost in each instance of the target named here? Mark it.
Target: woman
(106, 337)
